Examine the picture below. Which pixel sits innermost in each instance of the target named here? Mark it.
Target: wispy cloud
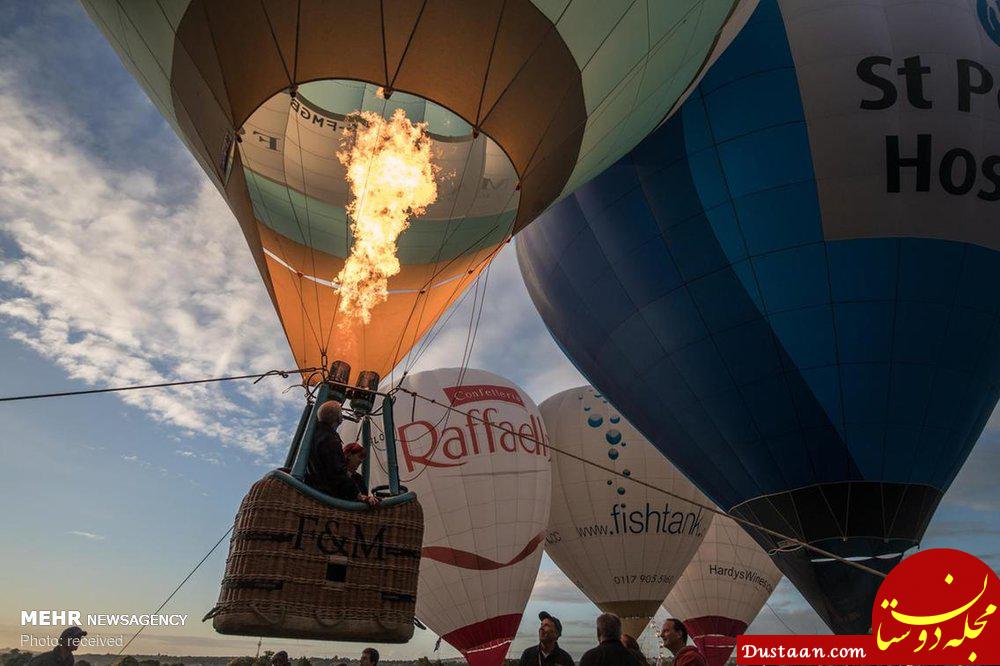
(553, 586)
(87, 535)
(119, 289)
(508, 334)
(975, 487)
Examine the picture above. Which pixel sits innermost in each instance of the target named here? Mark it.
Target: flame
(392, 180)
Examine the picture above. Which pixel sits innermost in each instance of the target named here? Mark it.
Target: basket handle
(328, 623)
(264, 616)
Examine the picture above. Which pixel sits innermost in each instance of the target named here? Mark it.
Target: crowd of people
(614, 648)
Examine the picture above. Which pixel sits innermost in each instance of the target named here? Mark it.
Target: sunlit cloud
(87, 535)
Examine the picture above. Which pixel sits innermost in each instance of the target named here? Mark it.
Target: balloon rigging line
(256, 377)
(177, 589)
(468, 415)
(705, 507)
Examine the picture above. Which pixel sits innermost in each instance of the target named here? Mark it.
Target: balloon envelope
(721, 591)
(622, 544)
(810, 339)
(524, 100)
(485, 495)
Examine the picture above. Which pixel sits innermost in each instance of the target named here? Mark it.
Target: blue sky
(120, 264)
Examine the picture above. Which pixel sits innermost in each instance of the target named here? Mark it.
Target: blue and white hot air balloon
(791, 286)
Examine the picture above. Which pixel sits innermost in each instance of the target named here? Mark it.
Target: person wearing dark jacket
(547, 652)
(355, 455)
(327, 469)
(62, 655)
(675, 638)
(610, 651)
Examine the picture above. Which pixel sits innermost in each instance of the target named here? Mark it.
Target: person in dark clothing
(610, 651)
(62, 654)
(327, 468)
(547, 652)
(369, 657)
(355, 455)
(632, 646)
(675, 637)
(280, 658)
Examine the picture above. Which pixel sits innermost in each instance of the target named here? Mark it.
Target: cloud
(87, 535)
(951, 529)
(975, 485)
(509, 335)
(119, 289)
(553, 586)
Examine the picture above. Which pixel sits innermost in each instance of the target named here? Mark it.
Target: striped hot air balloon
(520, 100)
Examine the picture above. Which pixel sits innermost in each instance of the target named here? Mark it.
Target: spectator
(369, 657)
(280, 658)
(632, 646)
(547, 652)
(62, 654)
(675, 637)
(610, 651)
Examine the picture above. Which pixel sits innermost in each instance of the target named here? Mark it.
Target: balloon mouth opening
(376, 181)
(289, 148)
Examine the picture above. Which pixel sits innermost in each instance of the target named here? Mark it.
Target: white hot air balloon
(485, 495)
(723, 589)
(622, 544)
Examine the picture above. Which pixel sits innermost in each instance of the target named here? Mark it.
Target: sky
(121, 264)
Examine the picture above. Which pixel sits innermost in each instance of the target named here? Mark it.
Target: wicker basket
(301, 568)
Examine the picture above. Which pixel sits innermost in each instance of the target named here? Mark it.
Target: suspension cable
(700, 505)
(257, 377)
(285, 373)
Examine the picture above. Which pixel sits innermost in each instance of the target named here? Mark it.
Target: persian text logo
(989, 16)
(938, 601)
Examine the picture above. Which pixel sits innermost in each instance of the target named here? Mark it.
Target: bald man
(327, 470)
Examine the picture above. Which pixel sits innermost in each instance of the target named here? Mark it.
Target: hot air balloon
(517, 101)
(722, 589)
(789, 287)
(622, 544)
(484, 480)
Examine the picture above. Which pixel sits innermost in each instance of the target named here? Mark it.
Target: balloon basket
(304, 565)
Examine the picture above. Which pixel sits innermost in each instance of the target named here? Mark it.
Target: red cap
(354, 447)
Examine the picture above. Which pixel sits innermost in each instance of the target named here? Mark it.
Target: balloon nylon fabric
(622, 544)
(485, 492)
(816, 351)
(722, 589)
(529, 100)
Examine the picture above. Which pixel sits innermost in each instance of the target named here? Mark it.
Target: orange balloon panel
(307, 302)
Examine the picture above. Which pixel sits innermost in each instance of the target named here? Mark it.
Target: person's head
(632, 646)
(369, 657)
(550, 628)
(70, 638)
(609, 627)
(355, 455)
(279, 658)
(674, 635)
(330, 413)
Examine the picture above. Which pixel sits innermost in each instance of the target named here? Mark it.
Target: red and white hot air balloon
(624, 545)
(485, 494)
(723, 588)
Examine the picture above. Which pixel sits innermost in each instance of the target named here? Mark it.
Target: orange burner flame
(391, 174)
